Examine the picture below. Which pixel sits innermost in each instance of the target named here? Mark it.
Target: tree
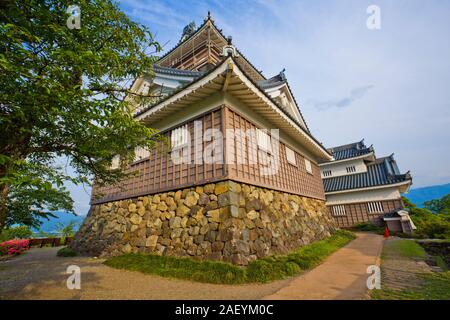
(441, 206)
(66, 230)
(429, 225)
(62, 95)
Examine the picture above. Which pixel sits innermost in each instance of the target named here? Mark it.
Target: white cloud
(331, 58)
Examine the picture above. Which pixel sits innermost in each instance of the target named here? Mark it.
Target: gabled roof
(207, 20)
(277, 81)
(396, 213)
(350, 150)
(255, 97)
(381, 172)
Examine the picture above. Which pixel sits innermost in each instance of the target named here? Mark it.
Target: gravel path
(342, 276)
(39, 274)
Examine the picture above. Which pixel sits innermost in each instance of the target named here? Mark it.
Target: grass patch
(181, 268)
(66, 252)
(261, 270)
(409, 248)
(3, 268)
(436, 286)
(441, 263)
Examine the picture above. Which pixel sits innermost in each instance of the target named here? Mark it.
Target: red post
(386, 232)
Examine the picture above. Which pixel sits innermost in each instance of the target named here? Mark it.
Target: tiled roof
(177, 72)
(350, 150)
(272, 82)
(394, 213)
(382, 171)
(208, 18)
(275, 81)
(251, 80)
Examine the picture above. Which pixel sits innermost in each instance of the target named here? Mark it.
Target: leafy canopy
(62, 96)
(429, 224)
(441, 206)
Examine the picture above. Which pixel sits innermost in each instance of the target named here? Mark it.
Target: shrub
(3, 250)
(66, 252)
(11, 247)
(430, 225)
(19, 232)
(366, 226)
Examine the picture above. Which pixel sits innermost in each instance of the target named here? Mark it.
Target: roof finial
(188, 31)
(209, 16)
(229, 49)
(282, 75)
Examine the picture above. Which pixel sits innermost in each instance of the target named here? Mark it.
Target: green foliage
(32, 196)
(408, 248)
(261, 270)
(42, 234)
(62, 96)
(367, 226)
(182, 268)
(66, 252)
(66, 230)
(441, 206)
(19, 232)
(441, 263)
(429, 225)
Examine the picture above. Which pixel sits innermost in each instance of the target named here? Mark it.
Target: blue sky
(390, 86)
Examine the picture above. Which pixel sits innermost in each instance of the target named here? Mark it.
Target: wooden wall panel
(158, 173)
(289, 178)
(359, 212)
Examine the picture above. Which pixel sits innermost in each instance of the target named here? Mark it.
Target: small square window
(141, 153)
(351, 169)
(179, 137)
(308, 166)
(115, 162)
(327, 173)
(375, 207)
(339, 210)
(290, 156)
(263, 140)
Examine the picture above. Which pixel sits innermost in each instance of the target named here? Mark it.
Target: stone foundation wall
(225, 221)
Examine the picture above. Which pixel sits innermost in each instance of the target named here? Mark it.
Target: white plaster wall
(339, 168)
(364, 196)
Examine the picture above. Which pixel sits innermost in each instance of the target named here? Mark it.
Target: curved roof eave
(324, 151)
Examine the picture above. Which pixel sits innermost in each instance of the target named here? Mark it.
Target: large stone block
(227, 221)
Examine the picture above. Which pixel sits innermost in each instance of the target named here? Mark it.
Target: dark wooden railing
(53, 242)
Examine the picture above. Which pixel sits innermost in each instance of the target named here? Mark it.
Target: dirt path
(39, 274)
(343, 275)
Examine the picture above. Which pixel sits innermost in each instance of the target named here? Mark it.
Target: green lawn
(409, 248)
(261, 270)
(436, 286)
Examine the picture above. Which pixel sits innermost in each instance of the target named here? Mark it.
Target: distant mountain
(420, 195)
(50, 226)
